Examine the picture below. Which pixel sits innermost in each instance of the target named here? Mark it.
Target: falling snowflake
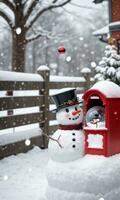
(5, 178)
(92, 52)
(27, 142)
(18, 30)
(81, 38)
(93, 64)
(68, 59)
(29, 170)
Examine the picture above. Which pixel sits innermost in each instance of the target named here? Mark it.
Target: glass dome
(95, 117)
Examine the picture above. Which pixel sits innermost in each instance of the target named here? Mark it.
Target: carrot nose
(76, 112)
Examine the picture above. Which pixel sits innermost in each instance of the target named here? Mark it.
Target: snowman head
(70, 115)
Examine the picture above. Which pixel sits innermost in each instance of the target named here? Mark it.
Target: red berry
(61, 50)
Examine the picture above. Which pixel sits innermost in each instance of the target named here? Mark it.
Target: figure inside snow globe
(95, 117)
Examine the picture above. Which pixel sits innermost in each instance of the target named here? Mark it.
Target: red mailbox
(102, 121)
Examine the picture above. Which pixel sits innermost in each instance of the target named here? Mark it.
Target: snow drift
(88, 178)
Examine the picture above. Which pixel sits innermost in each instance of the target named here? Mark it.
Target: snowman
(67, 143)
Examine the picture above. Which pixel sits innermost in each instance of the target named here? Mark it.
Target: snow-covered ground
(22, 177)
(88, 178)
(26, 176)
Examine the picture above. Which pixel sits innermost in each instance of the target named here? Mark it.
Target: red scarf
(70, 127)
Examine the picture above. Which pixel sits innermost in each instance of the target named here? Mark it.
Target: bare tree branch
(54, 1)
(30, 9)
(9, 4)
(6, 18)
(32, 38)
(82, 6)
(46, 9)
(23, 3)
(56, 140)
(76, 16)
(42, 33)
(72, 14)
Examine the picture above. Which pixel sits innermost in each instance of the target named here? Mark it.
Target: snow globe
(95, 117)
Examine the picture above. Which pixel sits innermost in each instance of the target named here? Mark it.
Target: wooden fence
(42, 82)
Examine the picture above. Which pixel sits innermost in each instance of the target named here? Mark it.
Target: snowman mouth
(74, 118)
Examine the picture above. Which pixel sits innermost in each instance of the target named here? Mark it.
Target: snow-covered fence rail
(43, 83)
(12, 81)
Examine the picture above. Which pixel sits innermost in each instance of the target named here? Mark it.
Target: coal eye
(67, 110)
(76, 108)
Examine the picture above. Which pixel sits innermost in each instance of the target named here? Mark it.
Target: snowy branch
(32, 38)
(24, 2)
(9, 4)
(82, 6)
(52, 6)
(54, 1)
(42, 33)
(72, 14)
(30, 9)
(6, 18)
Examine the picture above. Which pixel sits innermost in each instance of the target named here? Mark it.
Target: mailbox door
(96, 141)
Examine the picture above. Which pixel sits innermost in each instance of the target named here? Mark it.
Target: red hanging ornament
(61, 50)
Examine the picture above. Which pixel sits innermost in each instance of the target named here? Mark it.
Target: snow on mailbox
(102, 119)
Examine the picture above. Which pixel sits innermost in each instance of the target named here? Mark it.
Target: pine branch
(30, 9)
(8, 4)
(6, 18)
(39, 13)
(56, 140)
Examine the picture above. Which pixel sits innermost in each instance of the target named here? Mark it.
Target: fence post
(86, 72)
(45, 73)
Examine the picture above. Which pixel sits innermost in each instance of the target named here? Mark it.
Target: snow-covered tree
(109, 66)
(21, 16)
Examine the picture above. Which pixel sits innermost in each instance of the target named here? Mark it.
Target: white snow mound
(108, 88)
(88, 178)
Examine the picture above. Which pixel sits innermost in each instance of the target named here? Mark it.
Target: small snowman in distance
(69, 137)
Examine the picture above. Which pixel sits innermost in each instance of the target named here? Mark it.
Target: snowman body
(72, 142)
(70, 134)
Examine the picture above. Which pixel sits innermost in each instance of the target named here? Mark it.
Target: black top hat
(65, 98)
